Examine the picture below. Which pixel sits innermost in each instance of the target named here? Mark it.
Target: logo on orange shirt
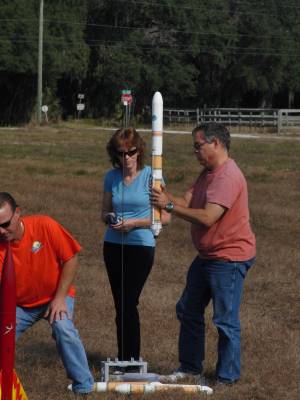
(36, 246)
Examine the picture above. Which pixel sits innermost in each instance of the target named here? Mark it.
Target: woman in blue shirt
(128, 243)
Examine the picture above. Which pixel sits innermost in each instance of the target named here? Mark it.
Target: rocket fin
(18, 392)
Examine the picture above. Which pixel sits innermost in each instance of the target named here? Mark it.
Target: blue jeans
(68, 343)
(222, 282)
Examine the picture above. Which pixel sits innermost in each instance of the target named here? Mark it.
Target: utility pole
(40, 64)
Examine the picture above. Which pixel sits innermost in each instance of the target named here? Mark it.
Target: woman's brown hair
(129, 138)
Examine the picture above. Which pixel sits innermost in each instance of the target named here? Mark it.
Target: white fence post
(279, 121)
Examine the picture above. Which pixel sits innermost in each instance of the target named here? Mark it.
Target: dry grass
(59, 171)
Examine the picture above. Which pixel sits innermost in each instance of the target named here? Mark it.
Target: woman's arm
(107, 207)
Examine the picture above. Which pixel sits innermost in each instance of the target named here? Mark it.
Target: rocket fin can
(7, 324)
(18, 392)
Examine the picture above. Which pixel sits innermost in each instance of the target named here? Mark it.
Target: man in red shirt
(217, 207)
(45, 260)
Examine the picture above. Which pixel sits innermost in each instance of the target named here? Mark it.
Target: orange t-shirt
(231, 237)
(38, 258)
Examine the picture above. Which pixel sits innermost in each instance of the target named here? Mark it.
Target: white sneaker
(179, 375)
(70, 387)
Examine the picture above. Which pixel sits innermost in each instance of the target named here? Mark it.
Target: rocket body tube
(147, 387)
(7, 325)
(157, 146)
(102, 387)
(128, 388)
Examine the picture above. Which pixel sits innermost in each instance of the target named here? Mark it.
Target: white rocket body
(128, 388)
(146, 387)
(157, 147)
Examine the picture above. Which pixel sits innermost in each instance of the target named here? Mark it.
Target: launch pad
(115, 370)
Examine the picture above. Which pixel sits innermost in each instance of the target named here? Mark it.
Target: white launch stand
(106, 366)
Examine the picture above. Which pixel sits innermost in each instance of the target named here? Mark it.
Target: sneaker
(223, 382)
(178, 375)
(82, 395)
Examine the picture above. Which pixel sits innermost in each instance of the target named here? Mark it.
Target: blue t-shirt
(130, 201)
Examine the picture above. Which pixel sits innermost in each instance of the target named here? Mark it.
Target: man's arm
(206, 216)
(57, 307)
(179, 201)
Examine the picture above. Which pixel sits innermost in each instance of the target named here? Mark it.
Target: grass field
(59, 171)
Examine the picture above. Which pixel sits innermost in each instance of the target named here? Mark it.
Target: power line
(88, 40)
(258, 3)
(119, 27)
(129, 43)
(193, 8)
(255, 51)
(226, 49)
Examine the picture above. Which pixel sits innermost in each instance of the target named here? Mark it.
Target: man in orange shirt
(217, 207)
(45, 259)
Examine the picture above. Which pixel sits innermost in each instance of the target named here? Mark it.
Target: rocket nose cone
(157, 98)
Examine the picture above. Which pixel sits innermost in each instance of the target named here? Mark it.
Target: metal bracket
(106, 373)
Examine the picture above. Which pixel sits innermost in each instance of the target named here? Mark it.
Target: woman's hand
(125, 225)
(109, 217)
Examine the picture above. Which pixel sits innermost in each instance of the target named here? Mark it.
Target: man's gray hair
(213, 130)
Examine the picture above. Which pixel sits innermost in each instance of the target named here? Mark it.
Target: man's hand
(57, 310)
(159, 198)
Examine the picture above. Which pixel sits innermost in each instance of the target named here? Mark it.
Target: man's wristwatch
(169, 207)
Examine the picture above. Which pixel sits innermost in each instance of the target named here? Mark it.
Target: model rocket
(10, 387)
(143, 388)
(128, 388)
(157, 143)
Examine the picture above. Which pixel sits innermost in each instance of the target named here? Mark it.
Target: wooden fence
(288, 119)
(256, 117)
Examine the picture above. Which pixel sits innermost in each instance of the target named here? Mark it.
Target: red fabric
(231, 237)
(38, 259)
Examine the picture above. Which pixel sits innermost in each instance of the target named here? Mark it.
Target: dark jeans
(137, 264)
(221, 282)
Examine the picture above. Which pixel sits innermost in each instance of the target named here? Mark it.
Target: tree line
(198, 53)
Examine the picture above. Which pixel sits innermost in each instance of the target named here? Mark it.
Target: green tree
(138, 48)
(66, 54)
(213, 53)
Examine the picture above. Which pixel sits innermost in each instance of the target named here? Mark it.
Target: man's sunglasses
(197, 146)
(7, 223)
(129, 153)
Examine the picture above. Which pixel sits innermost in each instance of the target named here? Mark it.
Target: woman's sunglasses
(129, 153)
